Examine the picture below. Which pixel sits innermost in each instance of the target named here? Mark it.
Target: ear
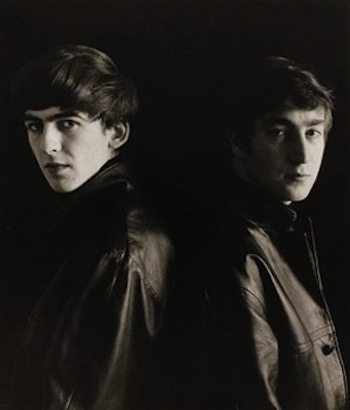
(237, 151)
(120, 135)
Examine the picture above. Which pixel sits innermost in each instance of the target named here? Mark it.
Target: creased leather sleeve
(257, 348)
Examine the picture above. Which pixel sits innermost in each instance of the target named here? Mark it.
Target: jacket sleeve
(256, 352)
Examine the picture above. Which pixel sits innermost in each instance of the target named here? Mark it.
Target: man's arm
(256, 352)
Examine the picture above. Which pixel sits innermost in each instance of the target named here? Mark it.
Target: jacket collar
(260, 209)
(96, 196)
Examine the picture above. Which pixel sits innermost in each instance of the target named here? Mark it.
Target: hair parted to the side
(79, 77)
(270, 85)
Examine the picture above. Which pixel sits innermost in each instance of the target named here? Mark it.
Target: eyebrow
(284, 121)
(57, 116)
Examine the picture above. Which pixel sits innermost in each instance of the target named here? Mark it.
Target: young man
(282, 344)
(89, 338)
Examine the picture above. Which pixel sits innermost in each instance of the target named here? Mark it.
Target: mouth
(55, 167)
(298, 176)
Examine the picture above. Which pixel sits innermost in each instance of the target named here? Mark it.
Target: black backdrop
(182, 55)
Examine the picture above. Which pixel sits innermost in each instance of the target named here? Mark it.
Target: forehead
(297, 117)
(53, 113)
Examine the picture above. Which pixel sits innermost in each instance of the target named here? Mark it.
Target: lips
(55, 167)
(298, 176)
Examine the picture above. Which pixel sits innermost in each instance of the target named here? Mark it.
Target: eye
(276, 132)
(67, 124)
(313, 133)
(33, 126)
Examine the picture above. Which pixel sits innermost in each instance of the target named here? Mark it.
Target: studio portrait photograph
(175, 207)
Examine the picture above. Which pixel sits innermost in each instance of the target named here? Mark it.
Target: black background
(183, 55)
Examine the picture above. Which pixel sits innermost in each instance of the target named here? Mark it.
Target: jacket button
(327, 349)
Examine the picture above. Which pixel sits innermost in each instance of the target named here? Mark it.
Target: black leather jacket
(89, 340)
(282, 342)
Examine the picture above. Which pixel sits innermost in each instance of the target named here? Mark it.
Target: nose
(51, 141)
(299, 149)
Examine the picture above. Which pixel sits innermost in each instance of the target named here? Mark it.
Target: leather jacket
(281, 338)
(90, 338)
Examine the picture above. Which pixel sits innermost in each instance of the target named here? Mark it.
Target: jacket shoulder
(151, 251)
(240, 259)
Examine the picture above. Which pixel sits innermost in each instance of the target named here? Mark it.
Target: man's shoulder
(150, 248)
(238, 246)
(233, 228)
(146, 230)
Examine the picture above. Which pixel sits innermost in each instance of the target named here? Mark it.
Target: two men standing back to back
(88, 342)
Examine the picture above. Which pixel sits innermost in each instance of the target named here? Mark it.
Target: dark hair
(79, 77)
(273, 84)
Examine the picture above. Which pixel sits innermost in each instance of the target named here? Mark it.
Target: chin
(61, 189)
(295, 193)
(298, 197)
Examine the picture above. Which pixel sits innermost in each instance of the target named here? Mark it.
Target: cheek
(266, 159)
(318, 154)
(33, 145)
(30, 143)
(93, 156)
(94, 145)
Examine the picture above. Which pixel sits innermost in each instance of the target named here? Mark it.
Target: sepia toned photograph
(175, 214)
